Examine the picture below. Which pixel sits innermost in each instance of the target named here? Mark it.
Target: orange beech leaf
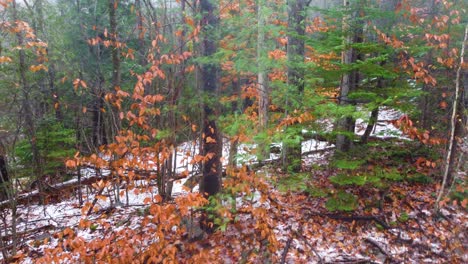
(426, 135)
(197, 158)
(77, 83)
(70, 163)
(158, 198)
(4, 3)
(464, 203)
(209, 156)
(4, 59)
(101, 197)
(184, 174)
(68, 232)
(210, 140)
(158, 98)
(443, 105)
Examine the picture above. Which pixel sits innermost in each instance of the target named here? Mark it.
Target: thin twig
(299, 234)
(378, 246)
(96, 197)
(358, 218)
(285, 251)
(453, 122)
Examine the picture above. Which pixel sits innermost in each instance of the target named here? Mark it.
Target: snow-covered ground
(383, 128)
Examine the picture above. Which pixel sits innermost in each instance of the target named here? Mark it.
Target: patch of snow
(383, 127)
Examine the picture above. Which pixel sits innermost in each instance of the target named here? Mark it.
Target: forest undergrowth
(271, 216)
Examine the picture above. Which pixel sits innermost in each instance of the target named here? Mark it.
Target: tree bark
(430, 97)
(212, 142)
(370, 125)
(116, 67)
(349, 81)
(295, 56)
(98, 125)
(26, 103)
(456, 125)
(384, 24)
(53, 92)
(262, 80)
(141, 34)
(4, 178)
(116, 73)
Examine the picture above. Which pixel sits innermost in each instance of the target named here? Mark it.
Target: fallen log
(359, 218)
(8, 237)
(50, 189)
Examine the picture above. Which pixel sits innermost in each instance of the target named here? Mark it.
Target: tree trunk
(141, 34)
(431, 94)
(262, 80)
(116, 73)
(212, 142)
(116, 69)
(370, 125)
(4, 179)
(53, 92)
(349, 81)
(295, 56)
(456, 126)
(27, 104)
(383, 23)
(176, 89)
(98, 126)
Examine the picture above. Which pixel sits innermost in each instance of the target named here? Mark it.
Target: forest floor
(402, 229)
(280, 217)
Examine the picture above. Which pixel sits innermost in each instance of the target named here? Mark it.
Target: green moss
(295, 182)
(419, 178)
(343, 180)
(404, 217)
(348, 164)
(342, 201)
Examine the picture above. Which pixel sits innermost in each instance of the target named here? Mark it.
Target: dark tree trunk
(116, 73)
(98, 125)
(4, 179)
(295, 53)
(370, 125)
(114, 122)
(55, 94)
(212, 142)
(27, 103)
(352, 27)
(262, 80)
(431, 94)
(141, 34)
(383, 23)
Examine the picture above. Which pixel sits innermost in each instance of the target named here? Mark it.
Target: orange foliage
(405, 124)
